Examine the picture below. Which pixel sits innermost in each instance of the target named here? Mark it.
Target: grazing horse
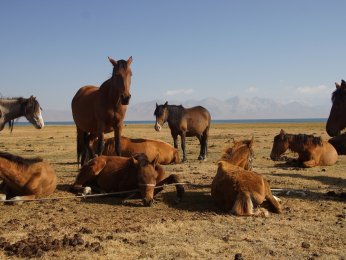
(101, 110)
(115, 174)
(26, 178)
(339, 143)
(12, 108)
(337, 119)
(237, 189)
(188, 122)
(312, 151)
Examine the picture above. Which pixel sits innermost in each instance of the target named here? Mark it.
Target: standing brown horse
(115, 174)
(12, 108)
(102, 110)
(312, 151)
(26, 178)
(188, 122)
(237, 189)
(337, 117)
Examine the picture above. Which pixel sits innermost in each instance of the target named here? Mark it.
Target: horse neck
(174, 114)
(11, 109)
(293, 145)
(109, 88)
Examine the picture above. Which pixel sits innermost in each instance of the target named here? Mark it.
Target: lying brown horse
(102, 110)
(151, 148)
(26, 178)
(237, 189)
(188, 122)
(337, 119)
(312, 151)
(115, 173)
(339, 143)
(13, 108)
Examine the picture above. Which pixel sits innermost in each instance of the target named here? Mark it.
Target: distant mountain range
(232, 108)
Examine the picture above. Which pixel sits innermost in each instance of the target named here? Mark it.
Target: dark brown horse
(188, 122)
(26, 178)
(115, 174)
(337, 117)
(101, 110)
(237, 189)
(312, 151)
(12, 108)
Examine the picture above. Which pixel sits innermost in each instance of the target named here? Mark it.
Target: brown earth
(311, 226)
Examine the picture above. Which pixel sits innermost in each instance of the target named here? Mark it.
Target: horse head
(280, 145)
(161, 114)
(337, 119)
(240, 154)
(147, 173)
(122, 74)
(32, 112)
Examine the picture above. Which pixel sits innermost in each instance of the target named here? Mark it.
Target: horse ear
(134, 160)
(282, 132)
(343, 83)
(337, 85)
(251, 141)
(129, 61)
(114, 62)
(166, 104)
(157, 105)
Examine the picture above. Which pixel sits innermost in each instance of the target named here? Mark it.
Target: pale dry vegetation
(311, 226)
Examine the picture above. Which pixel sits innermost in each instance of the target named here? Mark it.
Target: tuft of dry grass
(311, 226)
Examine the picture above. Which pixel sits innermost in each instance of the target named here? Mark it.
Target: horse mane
(308, 139)
(20, 160)
(175, 113)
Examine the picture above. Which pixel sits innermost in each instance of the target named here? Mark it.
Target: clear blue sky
(285, 50)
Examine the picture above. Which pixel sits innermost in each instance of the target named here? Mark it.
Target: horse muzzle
(125, 100)
(157, 127)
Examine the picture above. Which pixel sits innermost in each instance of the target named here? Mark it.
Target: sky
(283, 50)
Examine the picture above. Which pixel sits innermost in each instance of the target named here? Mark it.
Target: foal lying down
(237, 189)
(115, 174)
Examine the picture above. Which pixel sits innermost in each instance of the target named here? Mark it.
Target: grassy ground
(311, 226)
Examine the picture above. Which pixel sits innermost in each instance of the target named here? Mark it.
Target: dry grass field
(311, 226)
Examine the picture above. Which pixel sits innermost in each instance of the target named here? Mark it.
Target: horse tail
(243, 205)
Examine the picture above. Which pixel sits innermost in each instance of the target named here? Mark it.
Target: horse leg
(18, 200)
(183, 134)
(173, 178)
(117, 136)
(200, 156)
(175, 140)
(309, 164)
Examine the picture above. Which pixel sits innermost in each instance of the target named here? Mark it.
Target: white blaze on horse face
(158, 127)
(40, 119)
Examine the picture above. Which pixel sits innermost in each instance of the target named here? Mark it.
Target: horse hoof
(86, 191)
(2, 197)
(16, 201)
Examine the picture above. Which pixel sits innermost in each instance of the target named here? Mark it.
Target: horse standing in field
(26, 178)
(312, 151)
(12, 108)
(188, 122)
(237, 189)
(101, 110)
(115, 174)
(337, 117)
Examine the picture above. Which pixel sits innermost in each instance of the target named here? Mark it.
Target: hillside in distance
(232, 108)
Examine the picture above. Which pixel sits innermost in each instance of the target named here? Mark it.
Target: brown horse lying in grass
(237, 189)
(151, 148)
(25, 178)
(115, 173)
(339, 143)
(312, 151)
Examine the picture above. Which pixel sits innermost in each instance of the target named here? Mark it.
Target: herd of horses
(121, 163)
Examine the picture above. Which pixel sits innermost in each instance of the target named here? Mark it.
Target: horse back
(196, 119)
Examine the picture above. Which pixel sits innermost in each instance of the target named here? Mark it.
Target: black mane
(20, 160)
(307, 139)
